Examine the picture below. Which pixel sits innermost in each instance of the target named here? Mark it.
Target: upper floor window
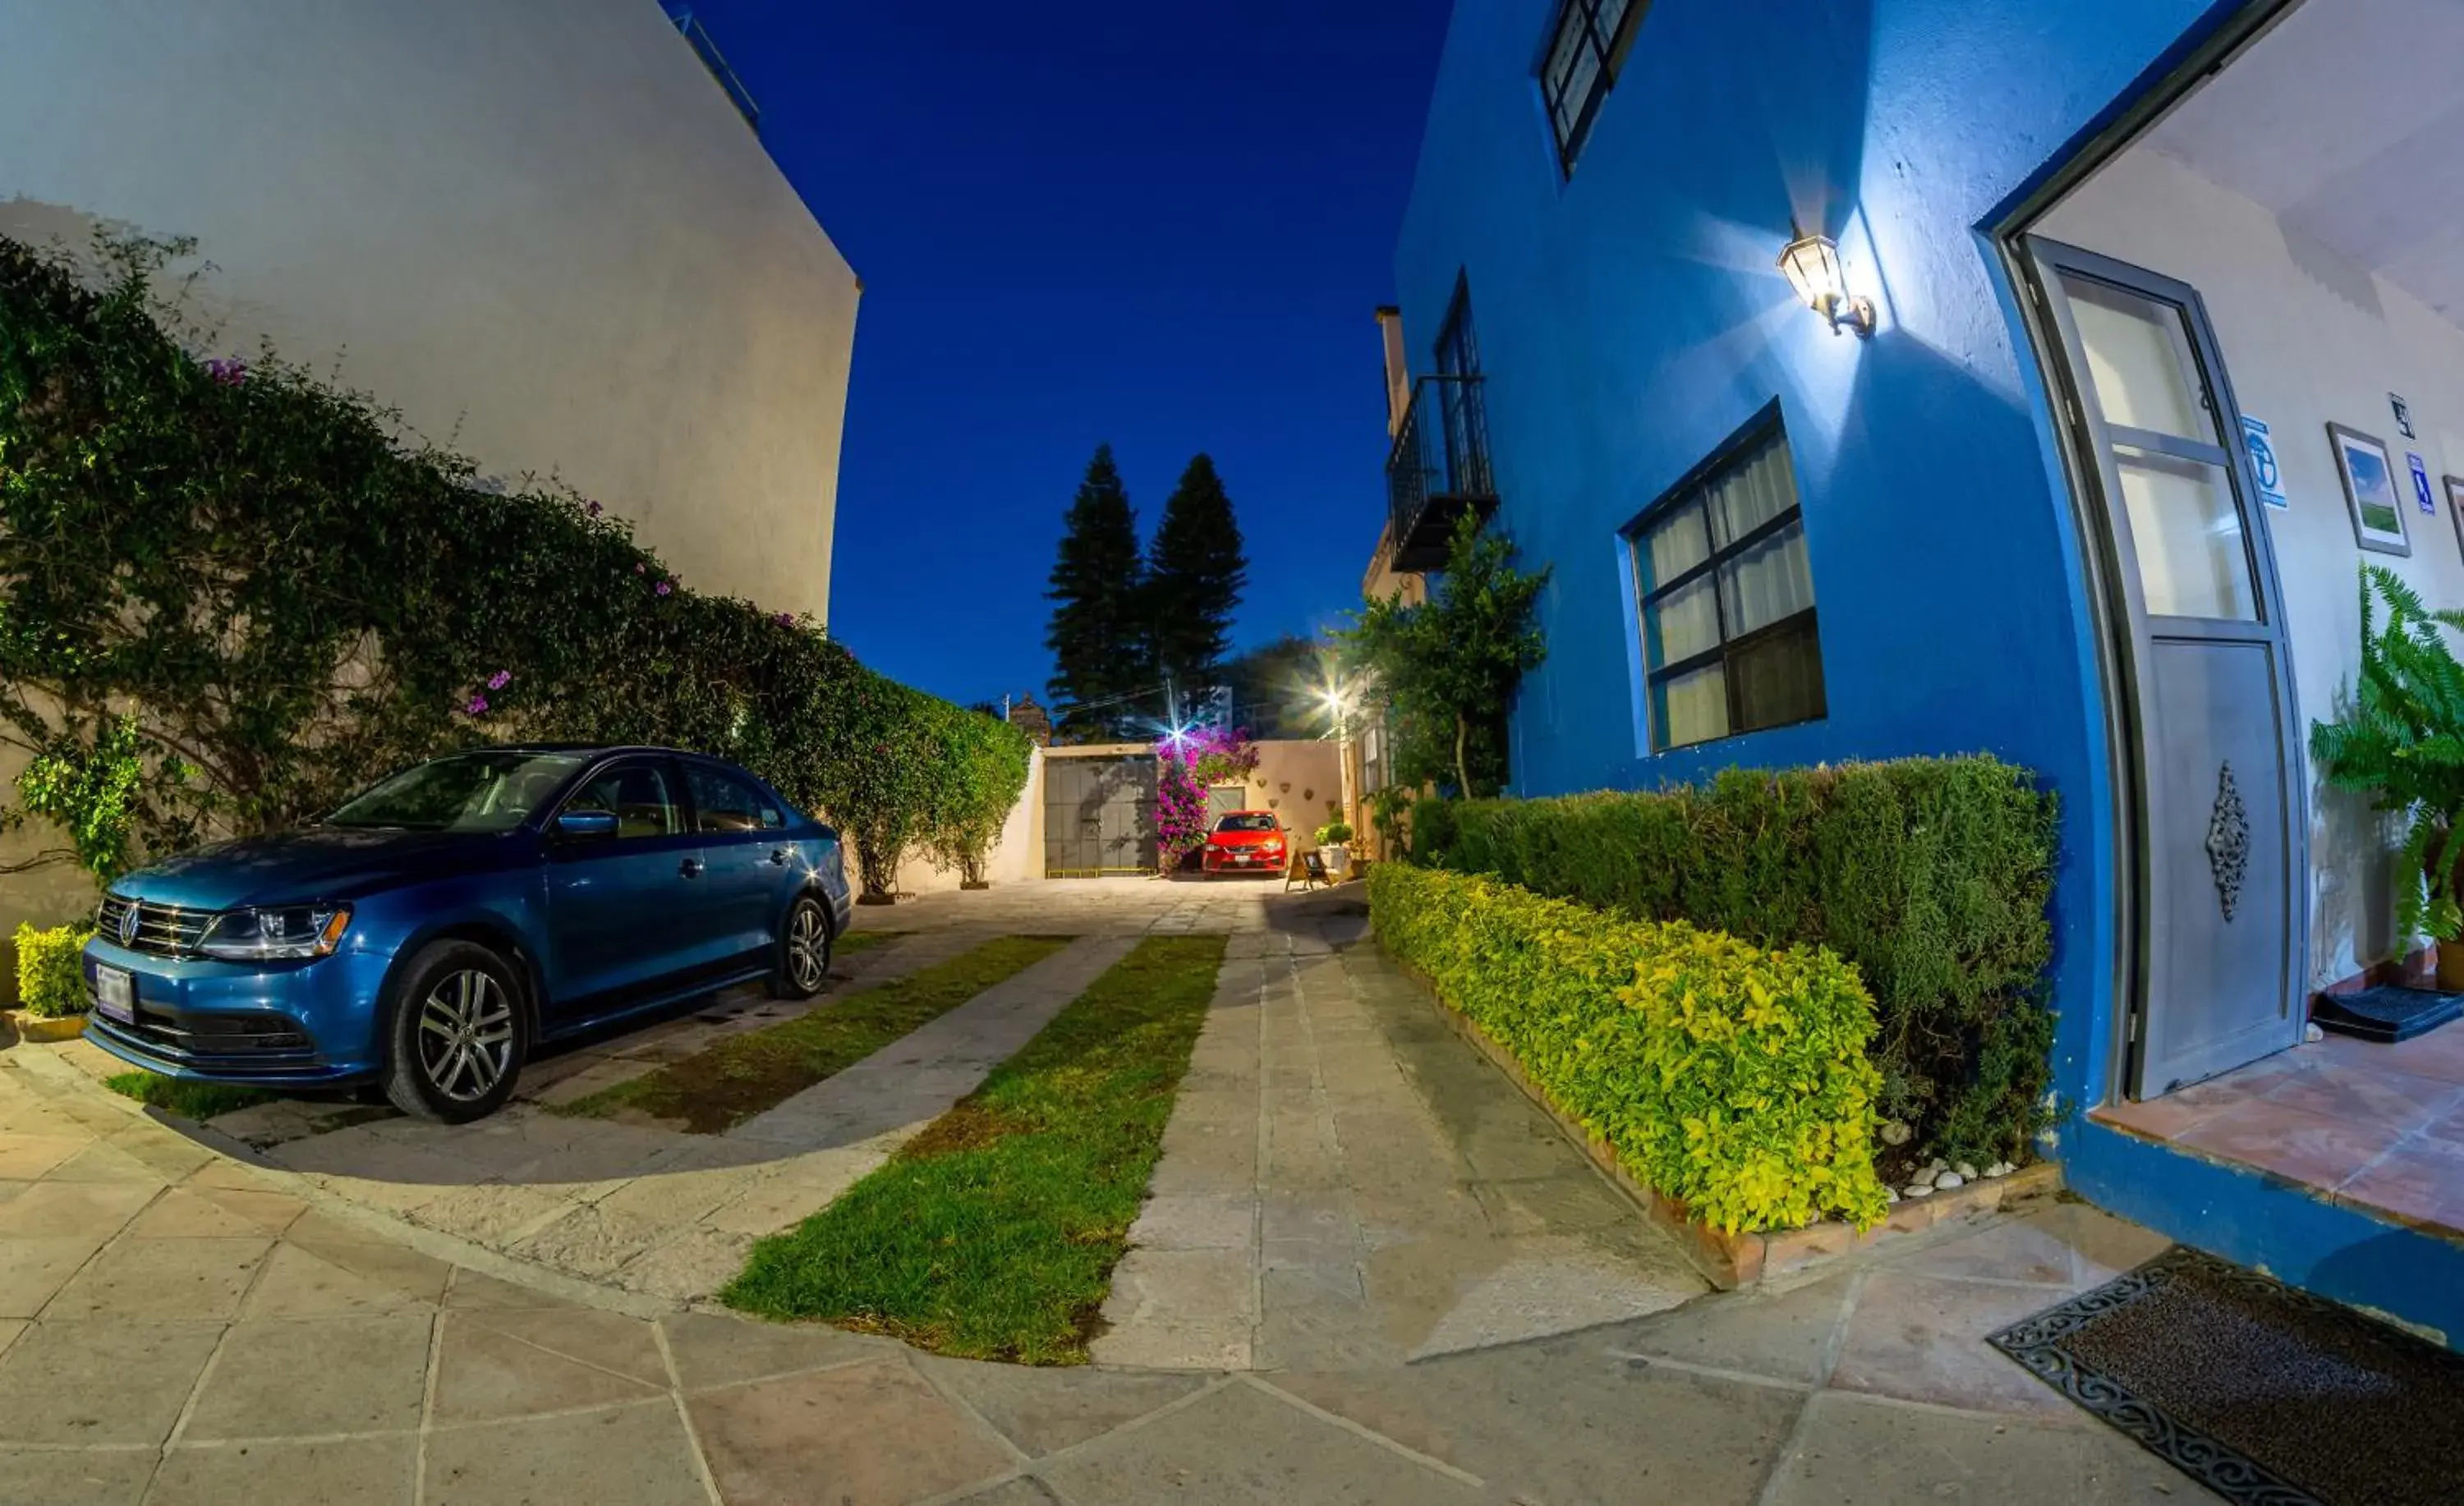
(1727, 600)
(1585, 50)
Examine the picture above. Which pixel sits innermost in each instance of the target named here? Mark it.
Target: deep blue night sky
(1162, 226)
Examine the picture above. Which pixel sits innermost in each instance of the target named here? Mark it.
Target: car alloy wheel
(809, 946)
(465, 1035)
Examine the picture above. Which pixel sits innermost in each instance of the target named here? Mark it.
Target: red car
(1245, 842)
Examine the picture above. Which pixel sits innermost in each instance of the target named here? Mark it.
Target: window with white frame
(1726, 596)
(1586, 47)
(1373, 758)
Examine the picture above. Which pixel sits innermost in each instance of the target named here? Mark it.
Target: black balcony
(1437, 471)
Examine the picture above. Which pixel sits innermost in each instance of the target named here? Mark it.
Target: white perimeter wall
(536, 227)
(1017, 855)
(2307, 337)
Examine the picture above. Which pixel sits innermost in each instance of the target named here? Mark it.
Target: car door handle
(691, 868)
(779, 856)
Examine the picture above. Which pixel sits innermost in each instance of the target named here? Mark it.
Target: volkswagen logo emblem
(129, 922)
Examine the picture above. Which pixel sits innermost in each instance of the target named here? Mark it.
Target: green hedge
(1931, 874)
(1731, 1078)
(50, 981)
(229, 594)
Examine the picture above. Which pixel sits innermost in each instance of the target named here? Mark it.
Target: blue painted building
(1990, 491)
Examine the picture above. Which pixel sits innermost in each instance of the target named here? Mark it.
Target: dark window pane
(725, 803)
(637, 795)
(1778, 678)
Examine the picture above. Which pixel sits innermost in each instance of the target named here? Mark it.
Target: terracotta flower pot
(2450, 966)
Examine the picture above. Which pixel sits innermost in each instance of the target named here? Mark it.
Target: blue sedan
(430, 933)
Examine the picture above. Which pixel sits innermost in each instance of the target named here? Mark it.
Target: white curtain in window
(1759, 487)
(1767, 582)
(1694, 708)
(1673, 545)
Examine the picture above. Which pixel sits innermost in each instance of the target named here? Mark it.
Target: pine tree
(1194, 574)
(1099, 625)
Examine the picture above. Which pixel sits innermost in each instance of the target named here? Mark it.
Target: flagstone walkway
(1443, 1303)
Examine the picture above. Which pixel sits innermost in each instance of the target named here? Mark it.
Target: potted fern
(2401, 742)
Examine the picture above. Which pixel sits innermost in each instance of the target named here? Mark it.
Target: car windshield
(1246, 821)
(473, 792)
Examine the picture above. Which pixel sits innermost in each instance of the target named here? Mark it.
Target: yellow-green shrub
(1729, 1077)
(50, 982)
(1931, 874)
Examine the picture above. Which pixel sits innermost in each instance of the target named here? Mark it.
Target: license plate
(115, 995)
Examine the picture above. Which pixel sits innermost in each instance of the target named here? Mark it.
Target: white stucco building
(541, 230)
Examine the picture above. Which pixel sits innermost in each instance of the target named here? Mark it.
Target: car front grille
(162, 930)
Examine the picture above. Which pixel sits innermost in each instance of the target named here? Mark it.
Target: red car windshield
(1248, 821)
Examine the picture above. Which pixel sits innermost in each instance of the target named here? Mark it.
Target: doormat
(2387, 1014)
(2265, 1395)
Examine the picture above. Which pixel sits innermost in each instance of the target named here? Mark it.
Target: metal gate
(1099, 817)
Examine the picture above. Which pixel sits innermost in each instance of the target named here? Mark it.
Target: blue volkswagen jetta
(434, 930)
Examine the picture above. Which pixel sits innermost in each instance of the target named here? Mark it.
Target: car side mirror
(586, 825)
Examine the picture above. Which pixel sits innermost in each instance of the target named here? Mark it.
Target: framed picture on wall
(2456, 506)
(2370, 491)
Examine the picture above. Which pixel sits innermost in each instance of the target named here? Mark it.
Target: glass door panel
(2187, 531)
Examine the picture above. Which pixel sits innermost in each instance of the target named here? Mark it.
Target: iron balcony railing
(710, 59)
(1438, 469)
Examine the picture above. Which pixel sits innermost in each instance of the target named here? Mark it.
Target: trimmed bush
(49, 981)
(1930, 875)
(1729, 1077)
(231, 594)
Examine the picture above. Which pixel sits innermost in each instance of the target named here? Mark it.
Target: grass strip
(993, 1234)
(856, 941)
(739, 1076)
(196, 1101)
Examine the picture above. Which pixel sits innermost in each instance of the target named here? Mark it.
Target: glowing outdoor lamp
(1812, 263)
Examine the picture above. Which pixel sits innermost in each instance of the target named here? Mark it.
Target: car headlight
(283, 931)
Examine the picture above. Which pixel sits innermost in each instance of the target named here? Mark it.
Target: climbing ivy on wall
(229, 594)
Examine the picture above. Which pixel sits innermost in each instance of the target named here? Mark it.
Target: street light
(1339, 698)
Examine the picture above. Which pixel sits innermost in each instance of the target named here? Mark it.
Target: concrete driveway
(1369, 1273)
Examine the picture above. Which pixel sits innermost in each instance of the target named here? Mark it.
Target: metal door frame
(2124, 627)
(2135, 111)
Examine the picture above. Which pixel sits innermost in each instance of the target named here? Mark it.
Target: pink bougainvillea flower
(230, 373)
(641, 568)
(591, 508)
(786, 619)
(477, 707)
(501, 678)
(664, 588)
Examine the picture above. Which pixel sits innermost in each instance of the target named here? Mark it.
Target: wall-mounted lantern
(1812, 263)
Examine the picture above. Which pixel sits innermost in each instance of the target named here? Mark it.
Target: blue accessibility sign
(2262, 463)
(2421, 492)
